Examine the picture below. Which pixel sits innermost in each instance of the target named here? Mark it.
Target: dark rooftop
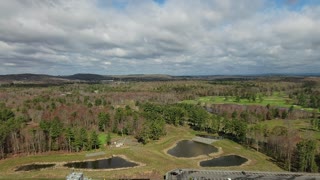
(180, 174)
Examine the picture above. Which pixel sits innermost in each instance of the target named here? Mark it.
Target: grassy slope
(302, 125)
(153, 155)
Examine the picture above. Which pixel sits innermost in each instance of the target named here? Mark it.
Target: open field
(303, 127)
(156, 161)
(277, 100)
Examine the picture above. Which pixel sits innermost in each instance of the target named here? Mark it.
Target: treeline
(60, 133)
(257, 113)
(9, 129)
(307, 98)
(283, 143)
(71, 117)
(146, 122)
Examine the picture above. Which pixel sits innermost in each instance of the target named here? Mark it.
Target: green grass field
(102, 138)
(153, 155)
(277, 100)
(302, 126)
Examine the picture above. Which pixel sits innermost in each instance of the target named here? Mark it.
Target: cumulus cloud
(175, 37)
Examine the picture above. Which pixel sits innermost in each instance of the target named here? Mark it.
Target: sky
(175, 37)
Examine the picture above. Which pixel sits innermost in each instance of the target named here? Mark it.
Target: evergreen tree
(94, 140)
(6, 114)
(81, 140)
(70, 137)
(157, 128)
(306, 152)
(144, 135)
(240, 130)
(103, 121)
(45, 126)
(55, 131)
(84, 138)
(98, 102)
(237, 98)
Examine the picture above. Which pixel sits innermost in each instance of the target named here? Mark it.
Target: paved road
(204, 140)
(95, 154)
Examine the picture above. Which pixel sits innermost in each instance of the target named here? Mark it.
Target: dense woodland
(70, 117)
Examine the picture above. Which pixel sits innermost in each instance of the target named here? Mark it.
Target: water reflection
(110, 163)
(31, 167)
(231, 160)
(187, 148)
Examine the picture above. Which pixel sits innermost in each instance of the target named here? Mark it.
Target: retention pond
(32, 167)
(189, 149)
(110, 163)
(231, 160)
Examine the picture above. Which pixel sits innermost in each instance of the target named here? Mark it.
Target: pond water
(31, 167)
(188, 148)
(231, 160)
(110, 163)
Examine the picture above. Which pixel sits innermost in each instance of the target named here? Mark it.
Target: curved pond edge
(61, 164)
(219, 152)
(139, 164)
(248, 162)
(54, 164)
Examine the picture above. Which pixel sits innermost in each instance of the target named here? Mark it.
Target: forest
(71, 117)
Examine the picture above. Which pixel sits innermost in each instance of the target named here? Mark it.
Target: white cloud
(178, 37)
(9, 64)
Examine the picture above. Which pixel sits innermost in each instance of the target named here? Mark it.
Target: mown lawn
(102, 138)
(277, 100)
(272, 100)
(153, 155)
(258, 161)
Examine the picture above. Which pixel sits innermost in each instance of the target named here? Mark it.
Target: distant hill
(96, 78)
(145, 77)
(31, 79)
(87, 77)
(19, 77)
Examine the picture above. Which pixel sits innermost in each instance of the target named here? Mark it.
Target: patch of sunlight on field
(102, 138)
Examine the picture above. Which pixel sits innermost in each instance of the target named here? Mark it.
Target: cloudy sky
(176, 37)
